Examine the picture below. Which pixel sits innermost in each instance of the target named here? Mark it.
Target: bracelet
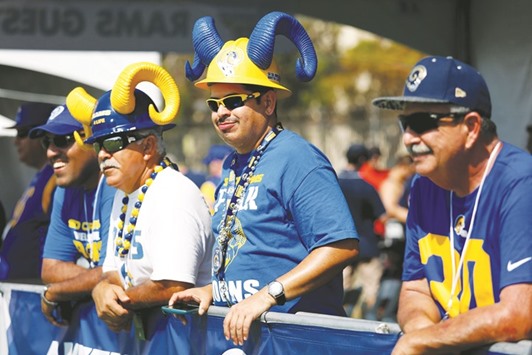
(45, 300)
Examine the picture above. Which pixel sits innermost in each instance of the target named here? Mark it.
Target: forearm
(319, 267)
(153, 293)
(417, 309)
(474, 328)
(74, 288)
(507, 320)
(57, 270)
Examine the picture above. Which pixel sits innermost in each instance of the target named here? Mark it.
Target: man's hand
(52, 313)
(51, 309)
(200, 295)
(109, 300)
(238, 321)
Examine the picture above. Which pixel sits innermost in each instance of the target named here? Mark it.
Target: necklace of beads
(224, 233)
(123, 242)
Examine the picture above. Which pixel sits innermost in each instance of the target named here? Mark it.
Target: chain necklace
(456, 272)
(123, 242)
(224, 233)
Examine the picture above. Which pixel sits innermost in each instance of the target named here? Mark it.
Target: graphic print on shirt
(238, 289)
(475, 291)
(90, 250)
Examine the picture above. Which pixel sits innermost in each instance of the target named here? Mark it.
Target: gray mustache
(108, 164)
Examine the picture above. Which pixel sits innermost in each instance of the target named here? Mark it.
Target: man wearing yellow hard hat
(284, 232)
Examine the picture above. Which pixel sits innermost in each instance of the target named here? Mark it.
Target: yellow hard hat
(232, 65)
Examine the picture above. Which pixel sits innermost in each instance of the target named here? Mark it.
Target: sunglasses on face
(421, 122)
(58, 141)
(231, 101)
(115, 143)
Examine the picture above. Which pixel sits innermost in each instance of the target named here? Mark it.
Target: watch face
(275, 288)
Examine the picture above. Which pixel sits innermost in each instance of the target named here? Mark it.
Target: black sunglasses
(58, 141)
(421, 122)
(231, 101)
(115, 143)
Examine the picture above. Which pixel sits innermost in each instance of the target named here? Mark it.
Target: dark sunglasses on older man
(231, 101)
(115, 143)
(58, 141)
(421, 122)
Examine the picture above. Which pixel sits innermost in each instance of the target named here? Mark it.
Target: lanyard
(225, 234)
(94, 235)
(456, 272)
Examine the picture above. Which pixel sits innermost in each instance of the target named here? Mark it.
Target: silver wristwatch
(45, 300)
(276, 290)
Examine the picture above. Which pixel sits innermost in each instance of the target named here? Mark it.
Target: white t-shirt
(172, 239)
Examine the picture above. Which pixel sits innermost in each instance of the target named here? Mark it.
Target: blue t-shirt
(80, 224)
(21, 255)
(292, 206)
(500, 247)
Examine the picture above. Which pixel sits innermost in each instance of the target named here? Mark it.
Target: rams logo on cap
(416, 77)
(56, 112)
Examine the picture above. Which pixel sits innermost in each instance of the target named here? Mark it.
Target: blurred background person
(214, 162)
(371, 170)
(2, 219)
(394, 193)
(24, 234)
(361, 279)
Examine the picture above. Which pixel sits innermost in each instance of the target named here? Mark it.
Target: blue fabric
(366, 207)
(30, 333)
(500, 237)
(72, 218)
(21, 254)
(292, 206)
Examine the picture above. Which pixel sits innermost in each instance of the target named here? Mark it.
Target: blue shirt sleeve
(331, 221)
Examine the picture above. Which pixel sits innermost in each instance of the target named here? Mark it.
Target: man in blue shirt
(284, 231)
(73, 251)
(467, 276)
(23, 239)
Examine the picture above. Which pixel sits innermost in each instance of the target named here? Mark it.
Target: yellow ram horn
(123, 98)
(81, 105)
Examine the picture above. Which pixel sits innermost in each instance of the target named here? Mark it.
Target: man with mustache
(160, 233)
(80, 216)
(284, 231)
(468, 261)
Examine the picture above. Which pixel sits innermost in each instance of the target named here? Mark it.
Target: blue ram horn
(262, 41)
(207, 43)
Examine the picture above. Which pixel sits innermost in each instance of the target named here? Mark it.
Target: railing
(24, 330)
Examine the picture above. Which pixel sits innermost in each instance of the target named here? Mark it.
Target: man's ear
(149, 146)
(270, 100)
(473, 122)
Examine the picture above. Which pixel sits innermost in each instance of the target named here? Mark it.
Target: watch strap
(47, 301)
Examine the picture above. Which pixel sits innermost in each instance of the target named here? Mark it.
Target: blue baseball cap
(32, 114)
(107, 122)
(442, 80)
(217, 152)
(60, 123)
